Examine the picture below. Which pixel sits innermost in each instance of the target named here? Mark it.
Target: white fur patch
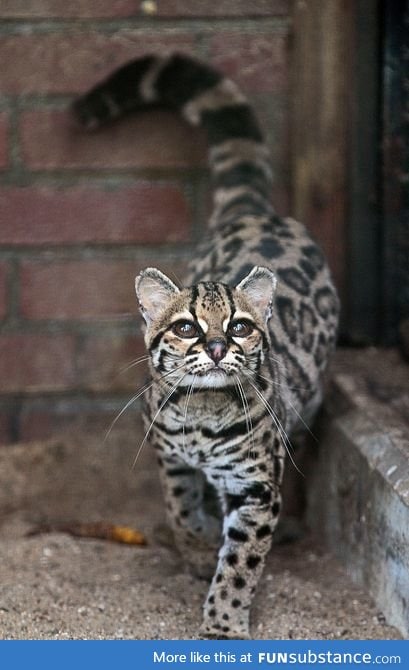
(226, 92)
(204, 326)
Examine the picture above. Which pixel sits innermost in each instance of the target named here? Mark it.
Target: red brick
(4, 126)
(103, 363)
(88, 289)
(143, 213)
(3, 288)
(37, 425)
(257, 62)
(93, 417)
(36, 362)
(71, 62)
(123, 8)
(76, 9)
(147, 140)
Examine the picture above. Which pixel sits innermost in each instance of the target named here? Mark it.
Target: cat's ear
(259, 287)
(153, 291)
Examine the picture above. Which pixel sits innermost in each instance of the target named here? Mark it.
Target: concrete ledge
(359, 493)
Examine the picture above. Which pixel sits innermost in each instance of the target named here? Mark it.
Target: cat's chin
(212, 379)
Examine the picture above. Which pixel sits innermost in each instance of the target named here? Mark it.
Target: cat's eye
(185, 329)
(240, 328)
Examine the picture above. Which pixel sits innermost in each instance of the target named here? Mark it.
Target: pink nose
(216, 349)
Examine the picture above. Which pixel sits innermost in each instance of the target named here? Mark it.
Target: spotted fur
(236, 357)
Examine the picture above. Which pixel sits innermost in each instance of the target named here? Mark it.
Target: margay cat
(236, 357)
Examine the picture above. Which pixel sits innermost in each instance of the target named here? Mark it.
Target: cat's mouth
(215, 377)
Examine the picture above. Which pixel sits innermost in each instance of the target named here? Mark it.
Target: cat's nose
(216, 349)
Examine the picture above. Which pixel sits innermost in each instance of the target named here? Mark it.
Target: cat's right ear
(153, 291)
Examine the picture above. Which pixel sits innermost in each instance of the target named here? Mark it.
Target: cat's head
(209, 333)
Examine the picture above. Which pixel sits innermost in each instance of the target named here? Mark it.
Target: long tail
(238, 156)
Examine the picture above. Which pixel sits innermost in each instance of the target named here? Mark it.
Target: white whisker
(135, 397)
(188, 396)
(278, 425)
(133, 363)
(249, 423)
(162, 405)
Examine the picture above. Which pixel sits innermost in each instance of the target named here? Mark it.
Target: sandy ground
(54, 586)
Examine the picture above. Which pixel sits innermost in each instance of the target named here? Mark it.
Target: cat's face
(209, 334)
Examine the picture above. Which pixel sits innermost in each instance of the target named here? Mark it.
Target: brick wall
(80, 214)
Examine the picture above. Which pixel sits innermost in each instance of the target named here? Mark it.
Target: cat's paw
(215, 631)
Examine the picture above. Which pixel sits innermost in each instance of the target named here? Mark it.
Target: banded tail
(238, 157)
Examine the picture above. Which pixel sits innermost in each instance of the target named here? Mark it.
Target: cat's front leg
(197, 532)
(248, 527)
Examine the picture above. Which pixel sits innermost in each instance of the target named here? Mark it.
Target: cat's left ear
(153, 291)
(259, 287)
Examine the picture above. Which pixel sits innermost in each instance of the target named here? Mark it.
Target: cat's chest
(203, 436)
(217, 441)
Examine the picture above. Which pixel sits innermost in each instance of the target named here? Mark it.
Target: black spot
(223, 594)
(321, 350)
(231, 121)
(276, 508)
(234, 502)
(178, 491)
(259, 491)
(237, 535)
(228, 432)
(294, 279)
(183, 79)
(326, 302)
(225, 629)
(253, 561)
(314, 256)
(239, 582)
(184, 513)
(235, 603)
(212, 612)
(225, 617)
(276, 445)
(269, 248)
(308, 268)
(308, 323)
(179, 472)
(232, 559)
(219, 578)
(122, 87)
(263, 531)
(244, 173)
(300, 383)
(288, 317)
(210, 599)
(266, 436)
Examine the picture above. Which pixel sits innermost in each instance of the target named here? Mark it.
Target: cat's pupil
(240, 328)
(185, 329)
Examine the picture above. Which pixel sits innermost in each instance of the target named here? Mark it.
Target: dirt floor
(55, 586)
